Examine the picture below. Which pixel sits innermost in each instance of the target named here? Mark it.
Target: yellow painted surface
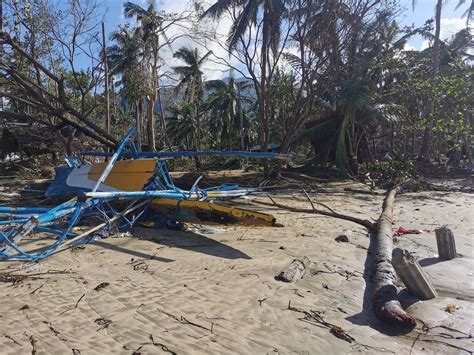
(200, 211)
(126, 175)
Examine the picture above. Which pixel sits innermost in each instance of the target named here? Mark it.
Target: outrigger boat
(131, 181)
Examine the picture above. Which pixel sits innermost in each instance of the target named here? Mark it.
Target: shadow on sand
(190, 241)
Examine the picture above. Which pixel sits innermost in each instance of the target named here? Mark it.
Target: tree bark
(426, 146)
(385, 302)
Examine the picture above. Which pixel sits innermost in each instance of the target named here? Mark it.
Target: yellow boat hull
(206, 212)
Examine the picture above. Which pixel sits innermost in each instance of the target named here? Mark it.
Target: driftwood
(294, 271)
(412, 275)
(385, 299)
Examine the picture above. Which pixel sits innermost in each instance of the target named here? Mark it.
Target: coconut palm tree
(225, 103)
(191, 85)
(426, 146)
(191, 81)
(151, 29)
(249, 13)
(126, 60)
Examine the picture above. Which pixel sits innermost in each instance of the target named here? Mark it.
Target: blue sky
(424, 9)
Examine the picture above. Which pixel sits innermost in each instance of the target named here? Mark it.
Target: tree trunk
(138, 126)
(385, 298)
(241, 121)
(164, 132)
(150, 123)
(426, 146)
(263, 117)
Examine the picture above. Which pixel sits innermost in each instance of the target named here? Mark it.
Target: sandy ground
(213, 290)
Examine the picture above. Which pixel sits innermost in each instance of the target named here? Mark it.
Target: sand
(212, 290)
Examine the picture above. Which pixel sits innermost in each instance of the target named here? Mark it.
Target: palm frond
(240, 25)
(133, 10)
(217, 9)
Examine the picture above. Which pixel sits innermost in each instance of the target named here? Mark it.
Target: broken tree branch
(331, 213)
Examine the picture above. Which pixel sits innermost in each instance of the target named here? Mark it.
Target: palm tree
(191, 80)
(426, 146)
(225, 102)
(273, 12)
(151, 29)
(126, 60)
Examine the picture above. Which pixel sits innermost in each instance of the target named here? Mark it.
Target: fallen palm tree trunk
(385, 298)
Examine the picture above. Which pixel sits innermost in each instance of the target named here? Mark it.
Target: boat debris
(131, 186)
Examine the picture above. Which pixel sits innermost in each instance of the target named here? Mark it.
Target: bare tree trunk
(138, 125)
(164, 132)
(241, 121)
(385, 298)
(150, 123)
(263, 117)
(106, 70)
(426, 146)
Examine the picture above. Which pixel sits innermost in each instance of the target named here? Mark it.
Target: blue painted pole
(112, 161)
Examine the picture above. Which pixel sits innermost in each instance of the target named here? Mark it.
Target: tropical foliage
(331, 76)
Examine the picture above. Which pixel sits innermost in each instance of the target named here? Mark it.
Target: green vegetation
(328, 77)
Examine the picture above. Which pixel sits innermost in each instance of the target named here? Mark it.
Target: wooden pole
(446, 244)
(106, 69)
(412, 275)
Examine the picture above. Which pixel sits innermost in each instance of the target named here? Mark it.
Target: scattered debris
(101, 286)
(294, 271)
(104, 323)
(162, 346)
(12, 278)
(402, 230)
(33, 342)
(451, 308)
(344, 236)
(342, 239)
(261, 301)
(77, 304)
(315, 317)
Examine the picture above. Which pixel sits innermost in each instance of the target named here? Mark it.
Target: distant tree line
(331, 75)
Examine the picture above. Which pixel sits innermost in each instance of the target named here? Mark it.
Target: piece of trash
(402, 230)
(451, 308)
(342, 239)
(121, 235)
(101, 286)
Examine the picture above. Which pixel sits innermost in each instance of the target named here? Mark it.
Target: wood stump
(446, 243)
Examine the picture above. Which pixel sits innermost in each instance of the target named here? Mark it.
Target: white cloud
(449, 27)
(211, 69)
(409, 47)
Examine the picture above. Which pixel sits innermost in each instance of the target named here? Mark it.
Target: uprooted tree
(38, 68)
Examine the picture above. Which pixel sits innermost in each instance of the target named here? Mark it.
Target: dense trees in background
(331, 75)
